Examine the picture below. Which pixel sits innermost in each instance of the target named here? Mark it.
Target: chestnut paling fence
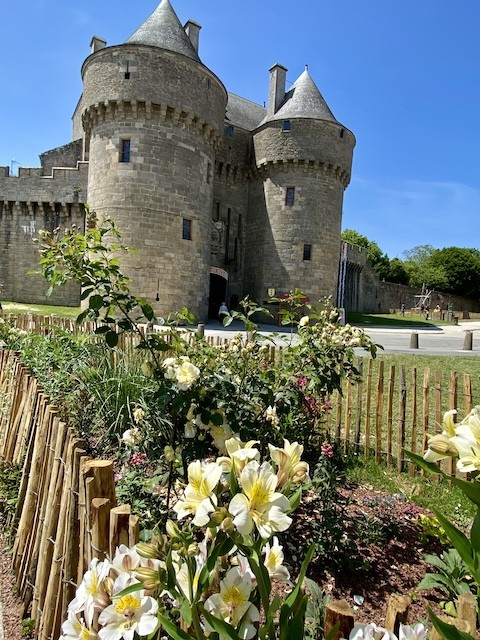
(67, 512)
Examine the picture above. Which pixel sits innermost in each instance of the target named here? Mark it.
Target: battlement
(65, 184)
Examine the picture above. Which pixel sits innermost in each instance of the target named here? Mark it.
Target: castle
(221, 197)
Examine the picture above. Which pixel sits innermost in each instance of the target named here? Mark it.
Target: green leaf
(475, 531)
(446, 630)
(224, 629)
(138, 586)
(102, 329)
(470, 489)
(147, 310)
(458, 540)
(86, 292)
(431, 467)
(295, 500)
(175, 632)
(111, 338)
(186, 612)
(95, 302)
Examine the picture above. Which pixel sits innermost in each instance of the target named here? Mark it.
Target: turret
(152, 116)
(303, 157)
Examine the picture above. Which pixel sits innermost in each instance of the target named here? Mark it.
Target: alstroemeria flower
(288, 460)
(370, 631)
(126, 560)
(220, 434)
(259, 504)
(274, 561)
(417, 632)
(467, 442)
(128, 614)
(92, 593)
(75, 629)
(440, 446)
(232, 604)
(240, 453)
(199, 498)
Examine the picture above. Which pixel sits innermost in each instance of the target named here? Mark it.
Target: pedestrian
(427, 312)
(402, 309)
(223, 312)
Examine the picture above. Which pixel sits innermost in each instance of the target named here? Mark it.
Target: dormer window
(286, 126)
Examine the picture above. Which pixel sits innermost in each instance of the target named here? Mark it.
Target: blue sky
(402, 75)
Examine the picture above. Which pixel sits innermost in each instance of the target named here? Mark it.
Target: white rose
(186, 374)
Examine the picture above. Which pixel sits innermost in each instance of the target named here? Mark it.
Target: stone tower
(152, 117)
(303, 159)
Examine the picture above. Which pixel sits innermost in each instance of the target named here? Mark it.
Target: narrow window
(290, 196)
(127, 72)
(307, 251)
(342, 132)
(216, 211)
(186, 229)
(229, 131)
(124, 150)
(286, 126)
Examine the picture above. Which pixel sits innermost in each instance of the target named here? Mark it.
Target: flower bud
(227, 525)
(147, 550)
(192, 549)
(169, 453)
(147, 369)
(148, 577)
(172, 530)
(218, 516)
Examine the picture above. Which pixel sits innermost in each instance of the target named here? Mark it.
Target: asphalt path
(444, 340)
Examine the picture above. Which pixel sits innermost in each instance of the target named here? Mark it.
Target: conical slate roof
(163, 29)
(304, 100)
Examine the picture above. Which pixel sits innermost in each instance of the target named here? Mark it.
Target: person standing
(223, 312)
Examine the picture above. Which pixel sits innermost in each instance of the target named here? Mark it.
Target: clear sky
(403, 75)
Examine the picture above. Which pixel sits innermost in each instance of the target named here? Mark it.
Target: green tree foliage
(422, 270)
(462, 270)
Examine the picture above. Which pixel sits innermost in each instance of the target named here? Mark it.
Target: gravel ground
(11, 605)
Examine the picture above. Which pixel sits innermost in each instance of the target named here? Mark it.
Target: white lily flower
(467, 442)
(232, 604)
(220, 434)
(129, 614)
(417, 632)
(274, 561)
(92, 594)
(199, 498)
(259, 504)
(440, 446)
(190, 430)
(75, 629)
(239, 453)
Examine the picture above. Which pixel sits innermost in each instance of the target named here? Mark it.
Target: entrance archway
(218, 292)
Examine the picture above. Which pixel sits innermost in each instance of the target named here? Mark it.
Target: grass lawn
(40, 309)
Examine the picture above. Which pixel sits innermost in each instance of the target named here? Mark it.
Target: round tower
(152, 116)
(303, 157)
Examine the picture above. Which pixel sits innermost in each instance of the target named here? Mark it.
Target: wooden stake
(338, 612)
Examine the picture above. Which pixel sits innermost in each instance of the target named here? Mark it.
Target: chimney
(276, 93)
(192, 29)
(97, 43)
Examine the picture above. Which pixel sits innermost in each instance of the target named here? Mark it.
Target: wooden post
(100, 527)
(467, 394)
(119, 527)
(379, 414)
(402, 414)
(391, 387)
(412, 466)
(348, 416)
(468, 341)
(358, 416)
(338, 612)
(397, 612)
(368, 403)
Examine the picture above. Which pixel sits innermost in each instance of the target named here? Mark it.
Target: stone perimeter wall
(58, 202)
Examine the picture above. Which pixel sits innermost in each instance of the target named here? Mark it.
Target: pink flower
(327, 406)
(137, 459)
(302, 382)
(117, 477)
(326, 450)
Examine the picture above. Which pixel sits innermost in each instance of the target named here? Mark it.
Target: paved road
(445, 340)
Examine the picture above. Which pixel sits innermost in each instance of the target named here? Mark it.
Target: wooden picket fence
(67, 512)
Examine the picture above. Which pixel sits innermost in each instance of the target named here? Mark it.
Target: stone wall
(65, 156)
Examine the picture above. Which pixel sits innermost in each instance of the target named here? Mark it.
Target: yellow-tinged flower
(128, 614)
(274, 561)
(92, 594)
(125, 560)
(467, 442)
(186, 374)
(240, 453)
(441, 446)
(199, 498)
(259, 504)
(290, 467)
(75, 629)
(138, 415)
(232, 604)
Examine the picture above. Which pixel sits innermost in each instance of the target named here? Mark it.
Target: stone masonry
(221, 197)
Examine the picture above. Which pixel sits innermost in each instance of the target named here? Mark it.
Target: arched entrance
(218, 290)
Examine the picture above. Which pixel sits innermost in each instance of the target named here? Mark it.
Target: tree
(462, 270)
(422, 270)
(379, 260)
